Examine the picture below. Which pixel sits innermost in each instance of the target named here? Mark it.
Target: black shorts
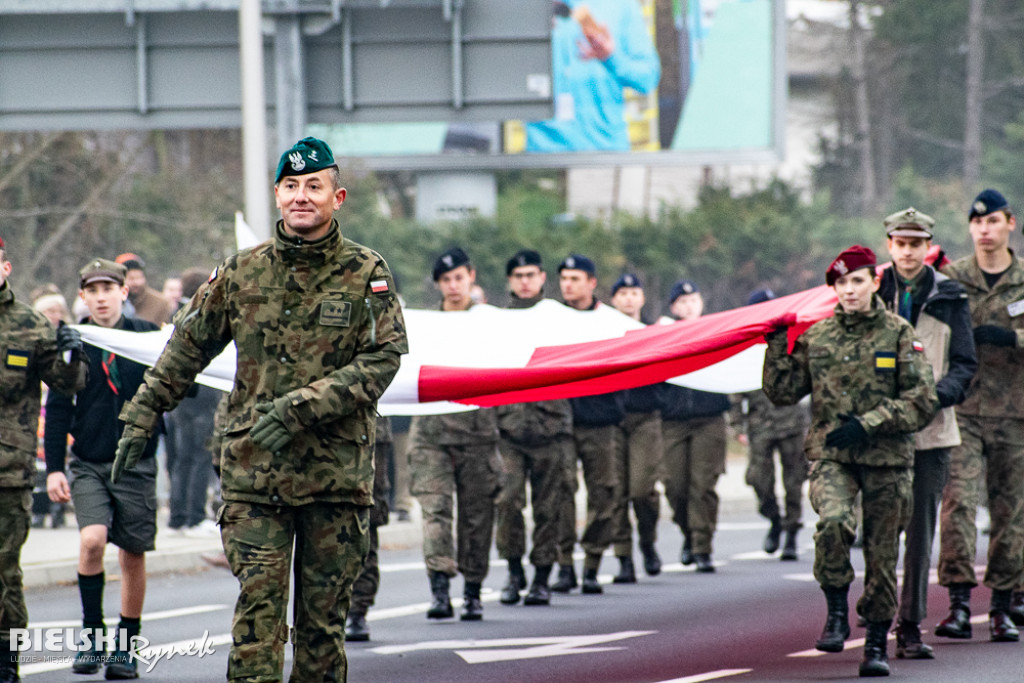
(127, 508)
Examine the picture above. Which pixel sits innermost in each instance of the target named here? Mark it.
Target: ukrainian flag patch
(16, 359)
(885, 361)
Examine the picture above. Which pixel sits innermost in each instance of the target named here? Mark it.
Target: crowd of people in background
(914, 417)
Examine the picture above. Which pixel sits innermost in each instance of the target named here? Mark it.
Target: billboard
(633, 82)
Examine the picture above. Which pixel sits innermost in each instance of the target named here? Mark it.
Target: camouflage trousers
(544, 467)
(330, 544)
(15, 505)
(991, 455)
(760, 476)
(886, 494)
(472, 476)
(595, 449)
(694, 459)
(638, 460)
(364, 588)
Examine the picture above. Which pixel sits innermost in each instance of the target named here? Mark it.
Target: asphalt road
(755, 619)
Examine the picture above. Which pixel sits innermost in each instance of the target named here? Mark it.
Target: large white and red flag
(489, 356)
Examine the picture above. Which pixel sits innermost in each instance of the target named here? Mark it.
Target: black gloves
(68, 338)
(850, 434)
(994, 336)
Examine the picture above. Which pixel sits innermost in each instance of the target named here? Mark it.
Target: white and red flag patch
(379, 286)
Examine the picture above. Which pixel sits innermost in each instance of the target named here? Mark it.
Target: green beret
(102, 270)
(308, 155)
(909, 223)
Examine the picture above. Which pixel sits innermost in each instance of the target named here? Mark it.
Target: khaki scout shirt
(28, 355)
(869, 365)
(317, 322)
(997, 389)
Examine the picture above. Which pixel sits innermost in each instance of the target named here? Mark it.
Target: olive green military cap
(102, 270)
(909, 223)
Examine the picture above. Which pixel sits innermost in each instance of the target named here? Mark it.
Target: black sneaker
(121, 666)
(88, 661)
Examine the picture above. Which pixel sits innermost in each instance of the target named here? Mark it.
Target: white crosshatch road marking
(509, 649)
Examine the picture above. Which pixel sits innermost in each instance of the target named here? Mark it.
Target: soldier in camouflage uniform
(455, 455)
(364, 590)
(30, 352)
(536, 441)
(597, 432)
(991, 421)
(638, 458)
(871, 389)
(771, 429)
(319, 333)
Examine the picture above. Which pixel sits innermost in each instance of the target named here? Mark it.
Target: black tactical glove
(270, 432)
(68, 338)
(129, 449)
(850, 434)
(994, 336)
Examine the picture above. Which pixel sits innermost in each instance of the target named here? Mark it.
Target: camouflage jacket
(753, 414)
(997, 389)
(28, 349)
(315, 322)
(533, 424)
(869, 365)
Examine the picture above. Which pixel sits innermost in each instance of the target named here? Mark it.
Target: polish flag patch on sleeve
(918, 346)
(379, 286)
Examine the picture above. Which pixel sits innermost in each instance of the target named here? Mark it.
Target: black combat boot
(1017, 608)
(837, 623)
(789, 547)
(652, 562)
(539, 593)
(472, 607)
(8, 665)
(627, 573)
(908, 641)
(357, 630)
(441, 607)
(590, 584)
(516, 582)
(1000, 625)
(686, 556)
(876, 657)
(704, 563)
(771, 541)
(957, 623)
(566, 579)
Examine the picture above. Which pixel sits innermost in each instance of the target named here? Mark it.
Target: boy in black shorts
(122, 513)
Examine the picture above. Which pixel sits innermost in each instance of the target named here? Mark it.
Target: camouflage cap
(102, 270)
(308, 155)
(909, 223)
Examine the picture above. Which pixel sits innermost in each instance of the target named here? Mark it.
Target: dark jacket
(945, 300)
(683, 403)
(600, 410)
(91, 416)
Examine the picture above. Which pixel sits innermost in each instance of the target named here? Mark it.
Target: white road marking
(146, 616)
(709, 676)
(510, 649)
(147, 653)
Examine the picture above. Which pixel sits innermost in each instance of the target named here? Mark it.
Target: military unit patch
(885, 361)
(16, 359)
(335, 313)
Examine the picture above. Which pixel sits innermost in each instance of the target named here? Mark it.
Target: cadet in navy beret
(988, 201)
(450, 260)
